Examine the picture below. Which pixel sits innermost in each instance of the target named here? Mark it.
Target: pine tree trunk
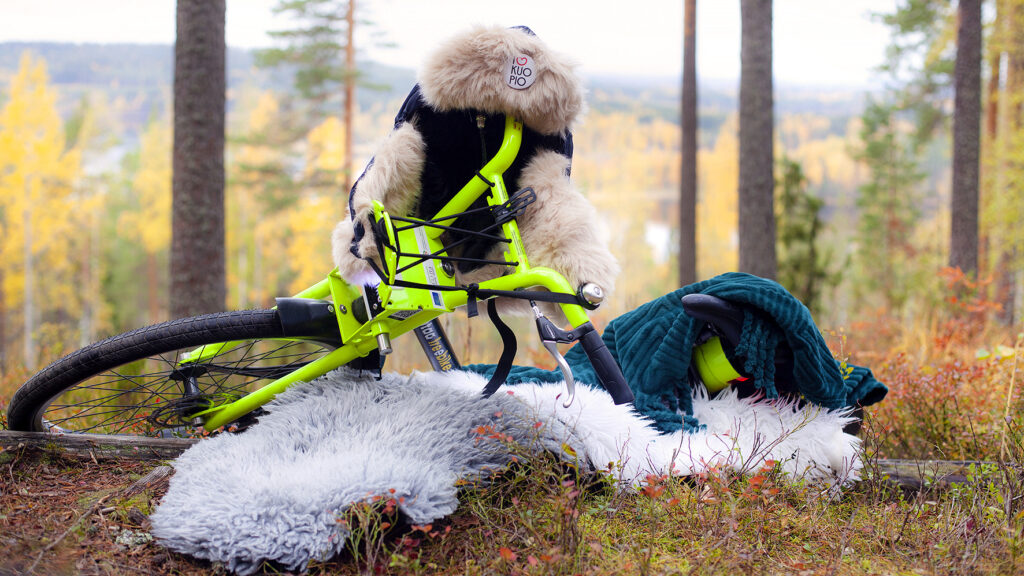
(85, 317)
(963, 251)
(992, 98)
(29, 319)
(991, 146)
(350, 94)
(242, 258)
(3, 325)
(1010, 18)
(688, 186)
(153, 289)
(756, 162)
(197, 247)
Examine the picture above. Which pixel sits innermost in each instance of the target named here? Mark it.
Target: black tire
(132, 384)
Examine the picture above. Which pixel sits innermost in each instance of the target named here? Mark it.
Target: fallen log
(919, 475)
(96, 446)
(908, 475)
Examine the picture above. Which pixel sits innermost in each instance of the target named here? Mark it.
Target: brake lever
(550, 337)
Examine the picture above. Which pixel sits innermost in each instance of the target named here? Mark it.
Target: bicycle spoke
(122, 399)
(101, 387)
(103, 423)
(81, 415)
(119, 392)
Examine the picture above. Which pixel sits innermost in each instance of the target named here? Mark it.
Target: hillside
(141, 75)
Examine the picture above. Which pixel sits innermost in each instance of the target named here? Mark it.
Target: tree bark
(96, 446)
(152, 289)
(3, 325)
(990, 141)
(29, 307)
(350, 94)
(1010, 19)
(197, 246)
(688, 185)
(963, 250)
(756, 161)
(992, 98)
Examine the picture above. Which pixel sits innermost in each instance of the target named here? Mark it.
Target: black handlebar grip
(608, 371)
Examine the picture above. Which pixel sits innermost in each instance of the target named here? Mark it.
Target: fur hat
(507, 71)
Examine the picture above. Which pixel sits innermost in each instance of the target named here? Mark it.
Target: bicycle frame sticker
(429, 272)
(403, 314)
(432, 341)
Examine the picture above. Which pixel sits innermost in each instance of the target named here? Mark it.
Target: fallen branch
(153, 477)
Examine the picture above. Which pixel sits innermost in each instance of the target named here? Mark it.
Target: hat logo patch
(520, 72)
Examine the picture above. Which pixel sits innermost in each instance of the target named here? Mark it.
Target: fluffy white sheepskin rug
(276, 492)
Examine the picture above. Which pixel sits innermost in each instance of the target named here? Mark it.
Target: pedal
(550, 337)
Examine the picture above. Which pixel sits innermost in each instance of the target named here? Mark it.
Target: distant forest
(142, 74)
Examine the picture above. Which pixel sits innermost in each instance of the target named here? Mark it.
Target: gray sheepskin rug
(276, 492)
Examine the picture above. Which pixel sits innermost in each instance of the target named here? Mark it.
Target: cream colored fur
(349, 267)
(559, 231)
(394, 181)
(468, 71)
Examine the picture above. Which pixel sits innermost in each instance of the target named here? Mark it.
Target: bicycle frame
(402, 309)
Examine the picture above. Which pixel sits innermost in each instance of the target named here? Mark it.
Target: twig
(20, 448)
(92, 509)
(843, 541)
(903, 526)
(1009, 396)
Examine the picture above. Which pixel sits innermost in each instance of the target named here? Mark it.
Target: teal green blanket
(653, 346)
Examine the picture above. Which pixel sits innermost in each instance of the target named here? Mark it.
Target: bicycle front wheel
(136, 383)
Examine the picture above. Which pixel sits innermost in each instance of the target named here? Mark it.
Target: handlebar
(607, 369)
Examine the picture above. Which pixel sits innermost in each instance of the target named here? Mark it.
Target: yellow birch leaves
(38, 175)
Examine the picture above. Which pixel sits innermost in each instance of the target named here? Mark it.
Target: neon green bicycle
(217, 370)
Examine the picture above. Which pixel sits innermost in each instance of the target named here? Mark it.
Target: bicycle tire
(119, 396)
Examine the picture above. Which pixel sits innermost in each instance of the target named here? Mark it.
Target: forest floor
(69, 516)
(61, 515)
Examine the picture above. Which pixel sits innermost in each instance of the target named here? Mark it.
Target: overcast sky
(815, 41)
